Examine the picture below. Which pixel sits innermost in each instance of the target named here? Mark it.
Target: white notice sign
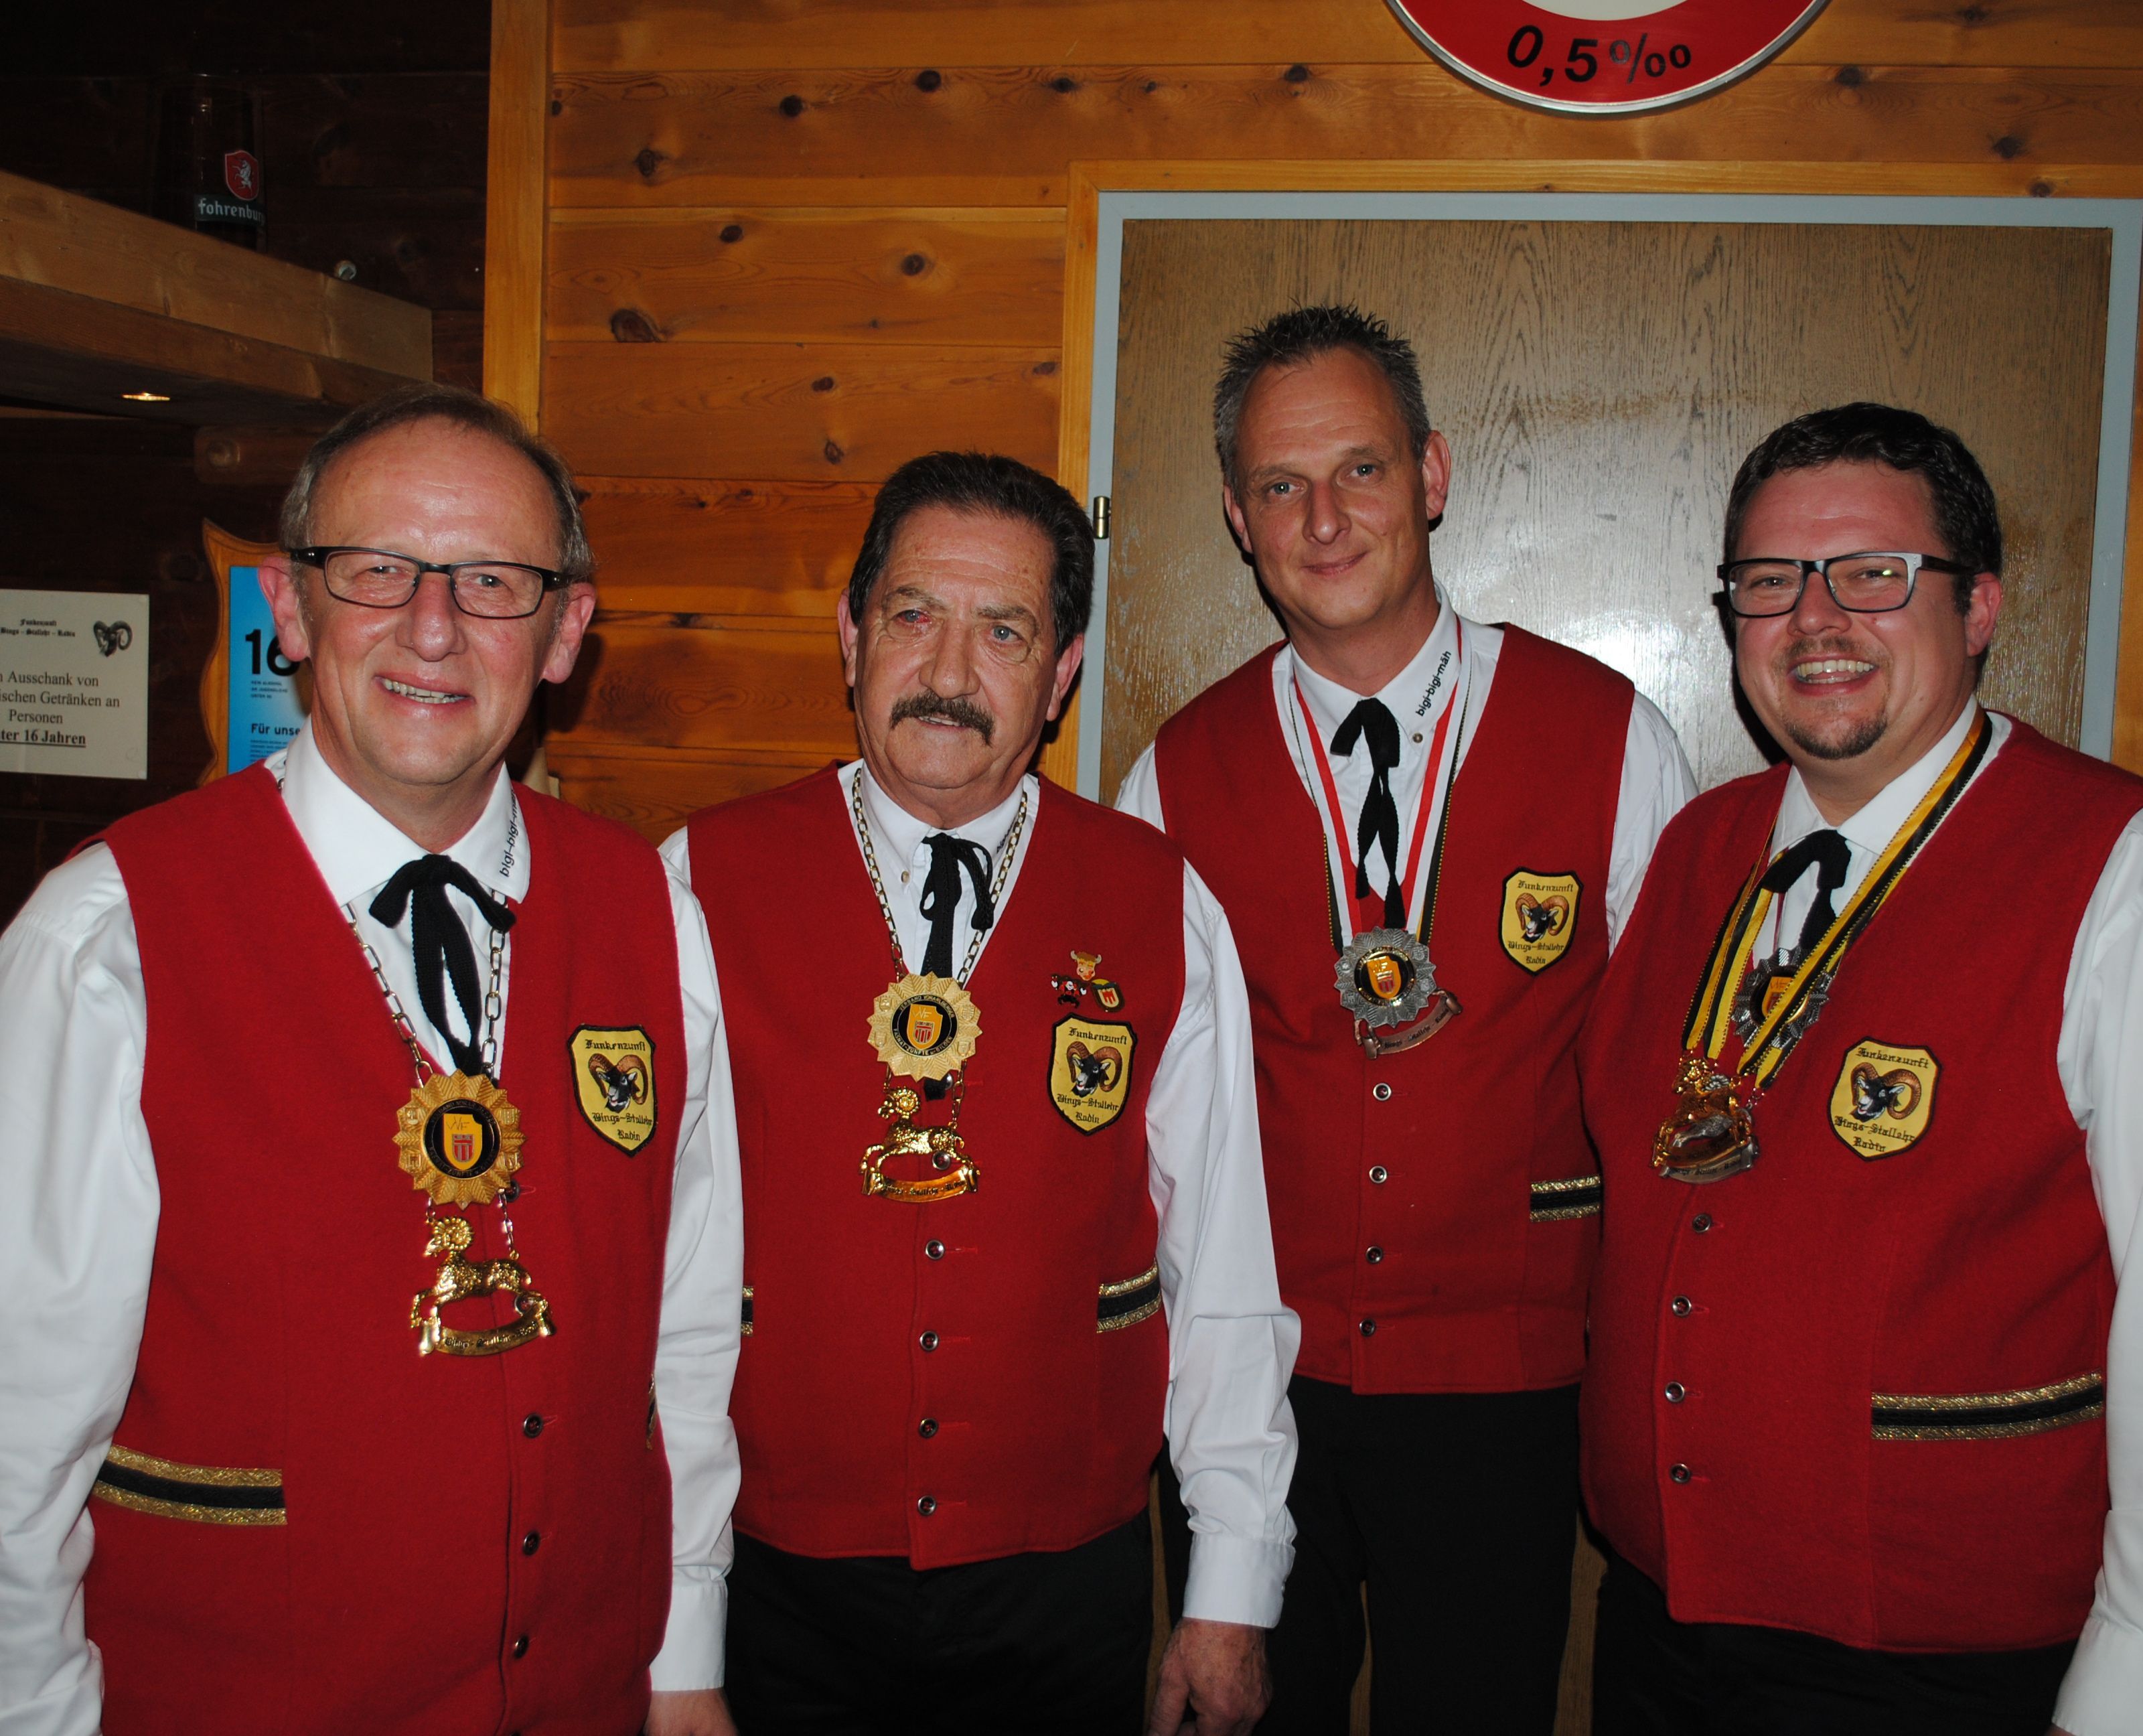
(74, 683)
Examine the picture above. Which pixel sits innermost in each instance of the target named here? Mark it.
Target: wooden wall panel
(724, 548)
(707, 683)
(941, 277)
(698, 137)
(623, 34)
(656, 793)
(793, 412)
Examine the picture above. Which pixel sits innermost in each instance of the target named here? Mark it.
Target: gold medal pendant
(924, 1027)
(1711, 1134)
(462, 1278)
(459, 1140)
(942, 1146)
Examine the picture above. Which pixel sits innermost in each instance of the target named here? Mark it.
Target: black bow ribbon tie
(440, 946)
(1831, 855)
(940, 896)
(1372, 721)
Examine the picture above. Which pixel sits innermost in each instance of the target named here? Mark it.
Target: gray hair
(424, 402)
(1301, 335)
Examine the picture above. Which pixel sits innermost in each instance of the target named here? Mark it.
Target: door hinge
(1100, 517)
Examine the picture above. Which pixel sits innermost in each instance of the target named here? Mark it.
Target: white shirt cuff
(2104, 1682)
(1235, 1579)
(691, 1654)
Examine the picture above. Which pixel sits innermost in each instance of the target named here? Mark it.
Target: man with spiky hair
(1866, 1080)
(1428, 832)
(365, 1022)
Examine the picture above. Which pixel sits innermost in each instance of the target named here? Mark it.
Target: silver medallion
(1385, 977)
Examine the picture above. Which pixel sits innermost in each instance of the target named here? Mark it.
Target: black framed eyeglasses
(378, 578)
(1868, 583)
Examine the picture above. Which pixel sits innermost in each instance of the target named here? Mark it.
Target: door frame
(1103, 196)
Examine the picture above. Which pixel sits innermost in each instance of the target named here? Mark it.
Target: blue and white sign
(264, 712)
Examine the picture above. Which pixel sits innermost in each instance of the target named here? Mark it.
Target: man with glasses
(1866, 1078)
(1008, 1229)
(369, 1251)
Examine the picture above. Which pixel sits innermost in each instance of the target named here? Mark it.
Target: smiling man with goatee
(1861, 1421)
(1008, 1227)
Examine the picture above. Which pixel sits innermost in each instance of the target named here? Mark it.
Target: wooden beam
(56, 347)
(59, 241)
(513, 212)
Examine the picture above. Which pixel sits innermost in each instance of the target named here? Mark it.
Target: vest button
(531, 1543)
(1680, 1473)
(1368, 1329)
(926, 1427)
(1681, 1306)
(521, 1647)
(1381, 1091)
(1380, 1174)
(935, 1249)
(1700, 1223)
(927, 1505)
(929, 1341)
(531, 1425)
(1675, 1391)
(1376, 1256)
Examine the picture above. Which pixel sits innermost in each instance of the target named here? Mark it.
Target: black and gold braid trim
(205, 1494)
(1577, 1196)
(744, 1327)
(1128, 1302)
(1988, 1416)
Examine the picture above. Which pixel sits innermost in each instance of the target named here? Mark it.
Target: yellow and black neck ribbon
(1782, 1021)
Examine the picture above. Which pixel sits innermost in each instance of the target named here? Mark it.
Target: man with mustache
(1428, 831)
(1866, 1078)
(1000, 1152)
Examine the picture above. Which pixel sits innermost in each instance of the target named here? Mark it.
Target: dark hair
(424, 402)
(984, 483)
(1301, 335)
(1966, 517)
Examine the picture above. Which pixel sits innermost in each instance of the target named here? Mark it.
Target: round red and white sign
(1603, 56)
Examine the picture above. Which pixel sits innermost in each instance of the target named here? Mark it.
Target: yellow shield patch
(1089, 1072)
(614, 1080)
(1540, 915)
(1884, 1095)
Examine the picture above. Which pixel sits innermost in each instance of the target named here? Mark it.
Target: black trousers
(1655, 1676)
(1054, 1645)
(1458, 1511)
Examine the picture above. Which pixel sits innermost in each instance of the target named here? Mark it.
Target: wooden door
(1599, 384)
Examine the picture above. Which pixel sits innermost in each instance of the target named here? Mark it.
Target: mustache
(950, 709)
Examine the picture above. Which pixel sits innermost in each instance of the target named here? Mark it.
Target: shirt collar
(1412, 695)
(897, 834)
(357, 849)
(1876, 824)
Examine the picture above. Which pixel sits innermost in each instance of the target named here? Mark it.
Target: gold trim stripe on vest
(1129, 1301)
(1577, 1196)
(744, 1327)
(1988, 1416)
(205, 1494)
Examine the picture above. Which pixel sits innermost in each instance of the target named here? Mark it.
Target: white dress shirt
(1655, 777)
(2100, 1058)
(1231, 1340)
(78, 1216)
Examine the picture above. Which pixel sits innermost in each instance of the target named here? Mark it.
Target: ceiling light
(147, 397)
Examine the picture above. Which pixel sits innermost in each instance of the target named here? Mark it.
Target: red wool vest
(439, 1509)
(929, 1381)
(1411, 1233)
(1742, 1330)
